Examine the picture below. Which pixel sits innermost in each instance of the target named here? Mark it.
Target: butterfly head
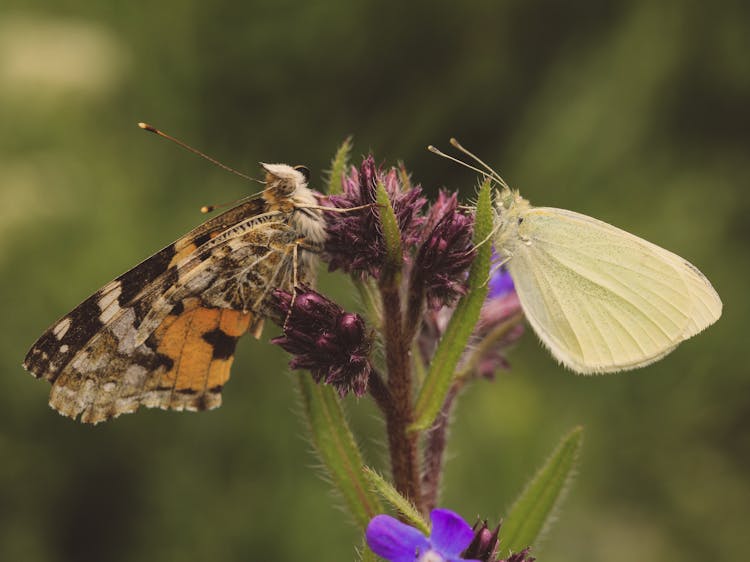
(286, 186)
(509, 208)
(287, 191)
(284, 179)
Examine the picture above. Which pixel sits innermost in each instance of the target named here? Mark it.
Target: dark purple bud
(332, 344)
(355, 241)
(484, 545)
(443, 259)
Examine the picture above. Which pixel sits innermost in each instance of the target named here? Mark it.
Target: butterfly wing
(97, 367)
(602, 299)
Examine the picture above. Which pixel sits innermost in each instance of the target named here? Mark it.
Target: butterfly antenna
(455, 144)
(156, 131)
(210, 208)
(461, 162)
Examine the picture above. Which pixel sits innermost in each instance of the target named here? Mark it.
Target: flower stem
(402, 443)
(434, 451)
(414, 304)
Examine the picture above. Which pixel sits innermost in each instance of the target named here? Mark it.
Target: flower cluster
(331, 343)
(355, 242)
(410, 262)
(436, 244)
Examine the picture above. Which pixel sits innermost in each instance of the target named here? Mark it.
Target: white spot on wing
(108, 304)
(134, 376)
(61, 328)
(124, 331)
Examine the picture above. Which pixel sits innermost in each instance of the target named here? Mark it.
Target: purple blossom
(355, 241)
(446, 253)
(326, 340)
(395, 541)
(500, 284)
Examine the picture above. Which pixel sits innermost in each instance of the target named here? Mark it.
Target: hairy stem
(414, 304)
(402, 443)
(434, 452)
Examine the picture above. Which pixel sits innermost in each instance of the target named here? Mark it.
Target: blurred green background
(635, 112)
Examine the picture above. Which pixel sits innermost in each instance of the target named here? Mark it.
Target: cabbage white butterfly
(601, 299)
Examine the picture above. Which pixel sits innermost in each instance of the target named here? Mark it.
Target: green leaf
(338, 166)
(394, 255)
(533, 511)
(338, 450)
(443, 365)
(399, 502)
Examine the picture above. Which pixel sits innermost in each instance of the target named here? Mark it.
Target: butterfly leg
(496, 267)
(295, 254)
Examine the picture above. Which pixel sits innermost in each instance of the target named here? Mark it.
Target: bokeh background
(635, 112)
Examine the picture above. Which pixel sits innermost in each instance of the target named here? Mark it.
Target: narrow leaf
(338, 166)
(399, 502)
(391, 233)
(534, 509)
(452, 345)
(337, 449)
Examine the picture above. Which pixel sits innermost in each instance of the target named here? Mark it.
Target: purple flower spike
(332, 344)
(355, 243)
(395, 541)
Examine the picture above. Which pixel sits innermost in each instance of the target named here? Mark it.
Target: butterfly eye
(304, 171)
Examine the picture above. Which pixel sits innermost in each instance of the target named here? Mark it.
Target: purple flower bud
(443, 259)
(355, 243)
(485, 546)
(332, 344)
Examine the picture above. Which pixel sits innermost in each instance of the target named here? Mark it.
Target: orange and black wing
(98, 365)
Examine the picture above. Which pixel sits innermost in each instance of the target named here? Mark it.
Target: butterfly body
(600, 299)
(163, 334)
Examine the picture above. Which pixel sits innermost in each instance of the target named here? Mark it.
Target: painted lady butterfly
(164, 333)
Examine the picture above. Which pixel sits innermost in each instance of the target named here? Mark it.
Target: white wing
(602, 299)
